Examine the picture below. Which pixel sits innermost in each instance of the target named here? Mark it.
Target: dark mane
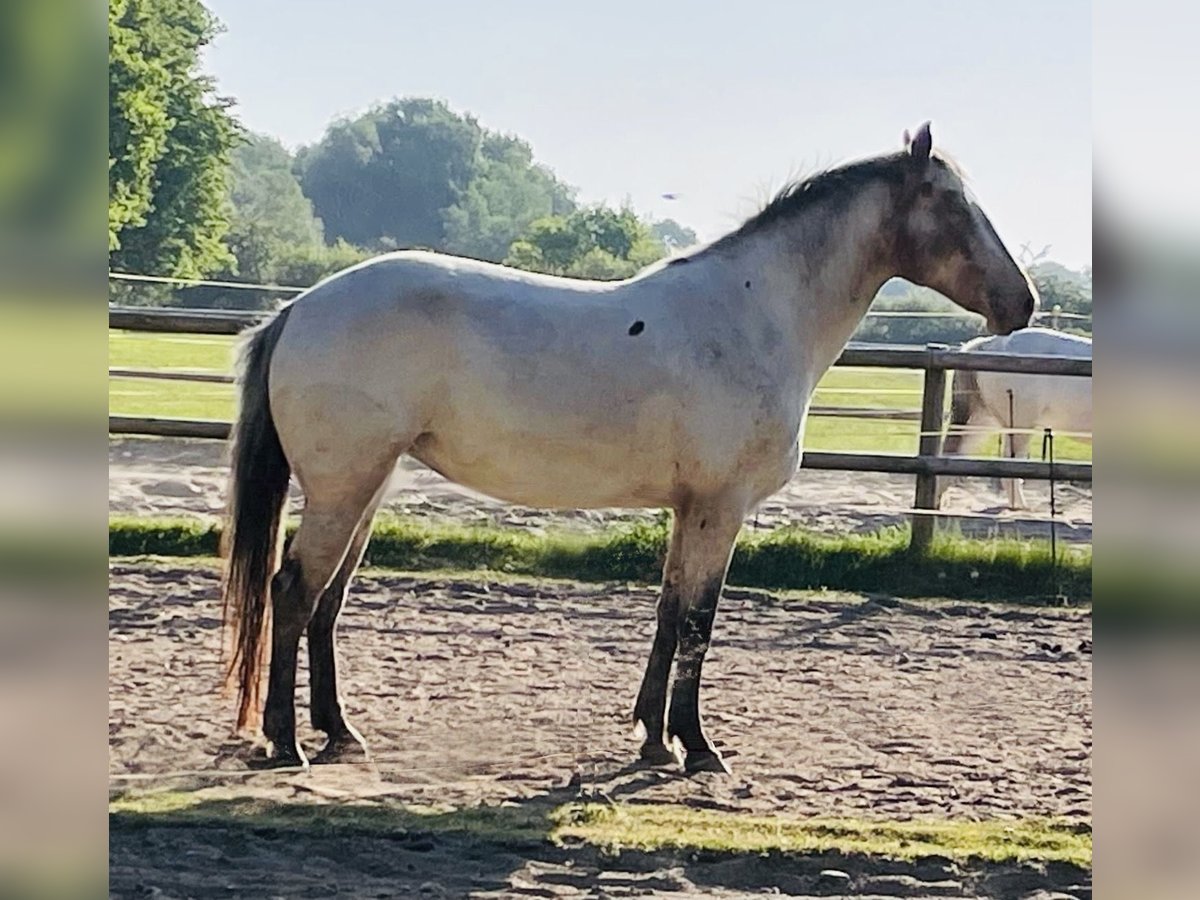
(832, 184)
(822, 186)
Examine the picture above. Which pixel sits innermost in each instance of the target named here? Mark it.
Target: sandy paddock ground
(519, 693)
(149, 476)
(473, 691)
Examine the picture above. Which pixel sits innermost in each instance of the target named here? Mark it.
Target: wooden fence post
(933, 406)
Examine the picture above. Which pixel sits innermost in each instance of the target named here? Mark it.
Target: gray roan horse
(686, 386)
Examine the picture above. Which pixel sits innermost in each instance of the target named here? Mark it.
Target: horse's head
(945, 242)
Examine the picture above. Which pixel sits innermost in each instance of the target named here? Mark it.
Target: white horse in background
(985, 401)
(685, 387)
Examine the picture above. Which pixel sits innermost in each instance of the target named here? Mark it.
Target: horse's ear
(906, 139)
(922, 144)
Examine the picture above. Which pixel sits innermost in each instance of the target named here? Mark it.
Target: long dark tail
(251, 540)
(964, 389)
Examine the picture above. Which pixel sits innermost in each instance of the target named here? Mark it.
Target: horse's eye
(926, 189)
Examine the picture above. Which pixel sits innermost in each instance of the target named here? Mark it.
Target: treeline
(194, 195)
(1068, 291)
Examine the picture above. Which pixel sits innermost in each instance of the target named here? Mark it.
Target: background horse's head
(945, 242)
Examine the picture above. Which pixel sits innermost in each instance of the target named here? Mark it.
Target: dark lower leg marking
(695, 632)
(326, 707)
(291, 609)
(651, 705)
(344, 743)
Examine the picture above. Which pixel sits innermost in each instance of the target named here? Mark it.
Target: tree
(1057, 285)
(169, 141)
(51, 131)
(507, 193)
(305, 265)
(383, 180)
(1069, 291)
(412, 172)
(269, 213)
(595, 242)
(673, 235)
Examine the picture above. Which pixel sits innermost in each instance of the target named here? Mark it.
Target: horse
(685, 387)
(982, 401)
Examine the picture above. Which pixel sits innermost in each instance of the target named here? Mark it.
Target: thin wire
(197, 282)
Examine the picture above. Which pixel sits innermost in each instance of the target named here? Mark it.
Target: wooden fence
(934, 360)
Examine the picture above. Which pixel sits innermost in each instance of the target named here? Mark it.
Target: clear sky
(718, 102)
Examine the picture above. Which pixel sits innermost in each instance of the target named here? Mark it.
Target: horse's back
(1034, 341)
(1056, 401)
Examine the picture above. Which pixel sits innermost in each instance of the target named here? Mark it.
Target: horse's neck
(824, 267)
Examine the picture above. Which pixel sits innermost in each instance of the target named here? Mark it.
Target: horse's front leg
(651, 707)
(706, 544)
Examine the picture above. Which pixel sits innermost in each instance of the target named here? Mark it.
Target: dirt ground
(474, 692)
(149, 476)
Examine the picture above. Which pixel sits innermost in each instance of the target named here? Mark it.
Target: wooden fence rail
(196, 321)
(934, 360)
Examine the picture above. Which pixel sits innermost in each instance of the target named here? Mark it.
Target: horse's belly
(550, 473)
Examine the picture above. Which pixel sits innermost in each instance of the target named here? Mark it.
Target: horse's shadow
(246, 846)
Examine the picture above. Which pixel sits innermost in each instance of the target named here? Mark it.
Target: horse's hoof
(344, 748)
(656, 753)
(279, 756)
(705, 761)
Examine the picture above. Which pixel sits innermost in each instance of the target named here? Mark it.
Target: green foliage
(786, 558)
(273, 236)
(1057, 285)
(268, 209)
(304, 265)
(51, 134)
(169, 141)
(594, 242)
(507, 193)
(956, 326)
(672, 235)
(413, 173)
(1070, 291)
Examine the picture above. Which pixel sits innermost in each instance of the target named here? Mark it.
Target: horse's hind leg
(964, 439)
(1019, 449)
(328, 526)
(326, 706)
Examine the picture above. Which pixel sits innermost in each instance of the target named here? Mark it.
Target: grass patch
(786, 558)
(645, 827)
(633, 827)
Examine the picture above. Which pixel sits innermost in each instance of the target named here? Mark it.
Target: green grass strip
(646, 827)
(1005, 569)
(635, 827)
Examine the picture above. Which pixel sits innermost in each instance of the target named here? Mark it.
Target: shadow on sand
(241, 846)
